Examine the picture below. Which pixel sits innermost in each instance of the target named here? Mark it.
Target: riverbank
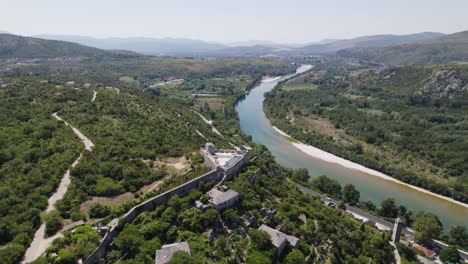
(328, 157)
(270, 79)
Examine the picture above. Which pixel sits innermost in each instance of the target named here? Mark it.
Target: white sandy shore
(328, 157)
(270, 79)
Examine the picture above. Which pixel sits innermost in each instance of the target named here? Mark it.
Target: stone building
(230, 161)
(279, 239)
(223, 199)
(165, 254)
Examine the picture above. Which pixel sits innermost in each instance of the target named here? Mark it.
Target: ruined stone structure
(397, 230)
(166, 252)
(230, 161)
(279, 239)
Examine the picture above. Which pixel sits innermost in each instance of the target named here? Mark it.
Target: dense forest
(409, 122)
(35, 151)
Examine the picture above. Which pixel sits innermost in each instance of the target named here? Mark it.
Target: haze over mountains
(190, 47)
(426, 47)
(453, 47)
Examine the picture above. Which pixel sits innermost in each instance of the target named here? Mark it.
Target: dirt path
(94, 96)
(40, 243)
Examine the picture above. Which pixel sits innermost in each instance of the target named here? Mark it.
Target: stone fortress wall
(216, 175)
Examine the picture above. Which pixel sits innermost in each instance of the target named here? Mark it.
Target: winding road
(39, 244)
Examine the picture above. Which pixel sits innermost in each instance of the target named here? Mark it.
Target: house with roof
(166, 252)
(279, 239)
(222, 198)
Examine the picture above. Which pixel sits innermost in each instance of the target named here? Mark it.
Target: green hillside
(13, 46)
(449, 48)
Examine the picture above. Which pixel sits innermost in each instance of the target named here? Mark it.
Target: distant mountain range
(190, 47)
(447, 48)
(367, 41)
(427, 47)
(147, 46)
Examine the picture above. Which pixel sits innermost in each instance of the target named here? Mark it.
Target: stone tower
(397, 230)
(210, 148)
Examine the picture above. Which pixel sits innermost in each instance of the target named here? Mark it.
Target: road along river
(254, 123)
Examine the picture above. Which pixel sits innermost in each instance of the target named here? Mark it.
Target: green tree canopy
(350, 194)
(388, 208)
(449, 255)
(295, 257)
(459, 235)
(426, 227)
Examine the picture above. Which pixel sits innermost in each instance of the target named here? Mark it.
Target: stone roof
(219, 197)
(164, 255)
(278, 238)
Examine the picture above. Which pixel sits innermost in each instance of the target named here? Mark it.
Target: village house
(165, 254)
(43, 81)
(71, 83)
(279, 239)
(221, 198)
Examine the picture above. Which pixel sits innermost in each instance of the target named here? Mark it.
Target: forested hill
(13, 46)
(448, 48)
(367, 41)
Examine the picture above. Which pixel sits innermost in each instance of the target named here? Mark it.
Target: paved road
(39, 244)
(384, 223)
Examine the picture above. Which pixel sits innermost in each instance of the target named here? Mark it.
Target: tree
(99, 210)
(449, 255)
(426, 227)
(294, 257)
(53, 222)
(459, 235)
(129, 240)
(327, 185)
(260, 238)
(180, 257)
(350, 194)
(300, 175)
(388, 208)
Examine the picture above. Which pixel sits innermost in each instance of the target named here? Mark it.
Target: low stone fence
(181, 190)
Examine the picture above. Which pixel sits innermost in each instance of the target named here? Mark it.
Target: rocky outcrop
(445, 83)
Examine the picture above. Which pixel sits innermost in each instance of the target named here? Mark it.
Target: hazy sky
(235, 20)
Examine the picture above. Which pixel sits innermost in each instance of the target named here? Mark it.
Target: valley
(233, 154)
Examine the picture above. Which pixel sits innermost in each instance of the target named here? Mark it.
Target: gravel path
(40, 243)
(94, 96)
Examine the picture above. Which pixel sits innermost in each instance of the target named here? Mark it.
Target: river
(253, 122)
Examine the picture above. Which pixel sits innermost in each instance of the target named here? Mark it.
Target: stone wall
(181, 190)
(234, 169)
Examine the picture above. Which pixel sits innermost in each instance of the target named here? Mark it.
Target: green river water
(254, 123)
